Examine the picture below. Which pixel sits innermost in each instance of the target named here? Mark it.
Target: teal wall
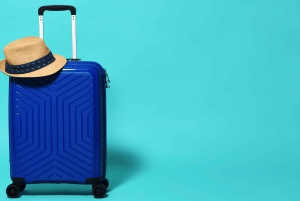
(204, 101)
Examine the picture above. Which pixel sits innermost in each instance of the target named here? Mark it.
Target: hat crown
(25, 50)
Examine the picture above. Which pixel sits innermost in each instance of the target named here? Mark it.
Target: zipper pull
(106, 79)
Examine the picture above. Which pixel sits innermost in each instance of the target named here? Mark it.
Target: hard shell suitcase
(57, 124)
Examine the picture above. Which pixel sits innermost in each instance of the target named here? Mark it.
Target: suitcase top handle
(42, 9)
(72, 9)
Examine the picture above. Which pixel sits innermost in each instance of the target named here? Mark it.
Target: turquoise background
(204, 101)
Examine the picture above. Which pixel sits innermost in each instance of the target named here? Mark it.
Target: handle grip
(42, 9)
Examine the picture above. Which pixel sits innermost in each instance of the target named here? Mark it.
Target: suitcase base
(14, 190)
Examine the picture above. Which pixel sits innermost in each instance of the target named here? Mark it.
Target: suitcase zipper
(106, 79)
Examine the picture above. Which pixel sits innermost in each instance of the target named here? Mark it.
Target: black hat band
(31, 66)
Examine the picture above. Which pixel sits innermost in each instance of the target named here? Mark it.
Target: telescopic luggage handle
(72, 9)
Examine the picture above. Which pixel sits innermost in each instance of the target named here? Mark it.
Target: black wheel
(99, 191)
(21, 186)
(106, 183)
(13, 191)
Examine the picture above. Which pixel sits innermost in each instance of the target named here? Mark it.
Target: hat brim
(47, 70)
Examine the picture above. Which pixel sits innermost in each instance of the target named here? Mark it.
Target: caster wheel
(13, 191)
(106, 183)
(21, 186)
(99, 191)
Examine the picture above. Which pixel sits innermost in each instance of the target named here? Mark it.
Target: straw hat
(30, 57)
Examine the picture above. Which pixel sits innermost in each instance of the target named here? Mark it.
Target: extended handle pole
(72, 9)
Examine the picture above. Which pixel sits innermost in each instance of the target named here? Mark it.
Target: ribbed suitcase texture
(57, 125)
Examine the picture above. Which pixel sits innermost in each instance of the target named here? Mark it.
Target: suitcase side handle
(72, 9)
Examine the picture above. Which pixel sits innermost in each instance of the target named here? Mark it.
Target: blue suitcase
(57, 125)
